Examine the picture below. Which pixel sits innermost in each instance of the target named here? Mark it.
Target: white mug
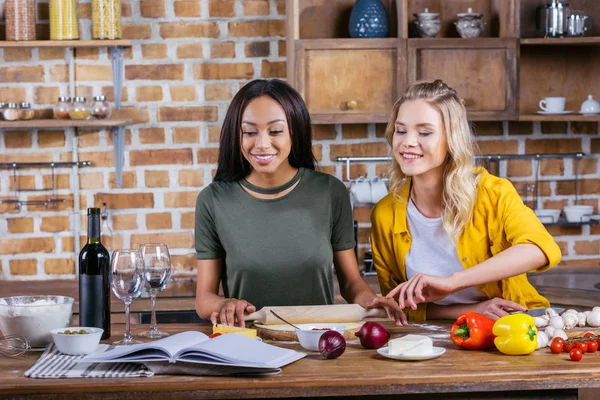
(361, 191)
(553, 104)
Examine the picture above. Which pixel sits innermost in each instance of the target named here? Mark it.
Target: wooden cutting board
(286, 333)
(579, 332)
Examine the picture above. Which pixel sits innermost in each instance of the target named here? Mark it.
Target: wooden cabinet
(502, 75)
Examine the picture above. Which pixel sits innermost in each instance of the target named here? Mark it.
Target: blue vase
(368, 20)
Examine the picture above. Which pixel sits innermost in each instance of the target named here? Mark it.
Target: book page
(163, 349)
(236, 349)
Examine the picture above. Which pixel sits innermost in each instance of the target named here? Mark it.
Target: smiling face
(419, 141)
(266, 141)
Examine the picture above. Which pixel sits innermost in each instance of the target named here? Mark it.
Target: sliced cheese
(410, 345)
(251, 333)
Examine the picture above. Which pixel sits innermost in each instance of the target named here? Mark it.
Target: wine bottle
(94, 278)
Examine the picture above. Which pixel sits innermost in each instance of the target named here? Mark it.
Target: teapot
(553, 19)
(590, 106)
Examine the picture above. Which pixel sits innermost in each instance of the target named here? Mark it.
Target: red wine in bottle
(94, 279)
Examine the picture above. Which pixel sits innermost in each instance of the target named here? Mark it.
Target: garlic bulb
(556, 322)
(542, 339)
(560, 333)
(593, 318)
(581, 318)
(550, 312)
(570, 320)
(540, 322)
(550, 331)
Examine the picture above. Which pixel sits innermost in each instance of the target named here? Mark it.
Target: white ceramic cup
(361, 191)
(553, 104)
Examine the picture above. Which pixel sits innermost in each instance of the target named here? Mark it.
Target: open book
(195, 347)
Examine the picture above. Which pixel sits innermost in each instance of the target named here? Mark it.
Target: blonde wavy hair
(459, 190)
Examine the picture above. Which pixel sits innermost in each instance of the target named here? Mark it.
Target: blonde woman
(451, 238)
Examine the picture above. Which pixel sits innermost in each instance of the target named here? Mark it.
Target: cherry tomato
(558, 339)
(214, 335)
(598, 341)
(576, 354)
(568, 346)
(589, 335)
(556, 347)
(592, 346)
(582, 346)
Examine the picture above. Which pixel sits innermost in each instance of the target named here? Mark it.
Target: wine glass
(157, 272)
(127, 282)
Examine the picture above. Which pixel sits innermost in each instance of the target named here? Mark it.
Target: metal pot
(553, 19)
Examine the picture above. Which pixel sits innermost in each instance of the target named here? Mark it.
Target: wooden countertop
(357, 372)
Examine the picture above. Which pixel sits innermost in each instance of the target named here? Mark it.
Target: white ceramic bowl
(548, 216)
(77, 344)
(35, 316)
(309, 334)
(580, 213)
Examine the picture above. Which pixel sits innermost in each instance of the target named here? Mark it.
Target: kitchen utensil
(590, 106)
(552, 19)
(309, 334)
(80, 344)
(13, 345)
(308, 314)
(577, 24)
(286, 333)
(289, 323)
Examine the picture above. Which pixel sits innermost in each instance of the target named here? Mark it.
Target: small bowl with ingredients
(35, 316)
(77, 341)
(309, 334)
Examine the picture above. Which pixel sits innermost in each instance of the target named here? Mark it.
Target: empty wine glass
(127, 282)
(157, 272)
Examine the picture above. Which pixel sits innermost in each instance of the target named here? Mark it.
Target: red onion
(332, 344)
(373, 335)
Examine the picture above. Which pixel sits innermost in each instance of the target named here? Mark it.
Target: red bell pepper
(473, 331)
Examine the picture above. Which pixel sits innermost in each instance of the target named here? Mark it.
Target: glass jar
(25, 111)
(106, 19)
(63, 20)
(62, 107)
(20, 19)
(100, 108)
(2, 106)
(11, 113)
(79, 109)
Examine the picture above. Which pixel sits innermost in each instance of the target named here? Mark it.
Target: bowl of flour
(35, 316)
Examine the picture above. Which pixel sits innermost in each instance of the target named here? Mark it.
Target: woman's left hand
(393, 310)
(422, 288)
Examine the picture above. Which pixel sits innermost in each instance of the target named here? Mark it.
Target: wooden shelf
(64, 123)
(568, 41)
(564, 117)
(65, 43)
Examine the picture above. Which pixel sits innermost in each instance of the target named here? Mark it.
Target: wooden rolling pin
(313, 314)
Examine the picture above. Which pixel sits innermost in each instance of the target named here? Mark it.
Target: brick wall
(188, 59)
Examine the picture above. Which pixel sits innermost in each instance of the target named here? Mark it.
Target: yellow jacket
(500, 220)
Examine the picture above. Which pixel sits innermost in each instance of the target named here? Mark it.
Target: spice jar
(61, 109)
(63, 20)
(25, 111)
(20, 19)
(100, 108)
(11, 113)
(106, 19)
(2, 107)
(79, 109)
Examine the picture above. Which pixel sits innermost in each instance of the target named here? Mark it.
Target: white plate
(555, 113)
(437, 351)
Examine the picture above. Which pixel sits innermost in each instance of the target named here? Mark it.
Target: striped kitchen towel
(54, 364)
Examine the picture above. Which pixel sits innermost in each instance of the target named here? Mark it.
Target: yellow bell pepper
(516, 334)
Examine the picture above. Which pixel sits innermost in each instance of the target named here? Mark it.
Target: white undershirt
(432, 252)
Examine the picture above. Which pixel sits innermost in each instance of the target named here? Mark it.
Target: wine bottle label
(90, 301)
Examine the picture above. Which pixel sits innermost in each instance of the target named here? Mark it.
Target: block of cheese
(410, 345)
(251, 333)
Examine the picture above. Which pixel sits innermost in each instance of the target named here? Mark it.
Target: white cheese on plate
(410, 345)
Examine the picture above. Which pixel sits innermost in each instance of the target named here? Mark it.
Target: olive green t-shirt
(276, 252)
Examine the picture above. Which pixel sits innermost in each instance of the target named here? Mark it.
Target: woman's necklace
(276, 189)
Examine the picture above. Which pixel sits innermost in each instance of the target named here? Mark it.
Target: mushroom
(593, 318)
(581, 318)
(542, 340)
(556, 322)
(540, 322)
(570, 320)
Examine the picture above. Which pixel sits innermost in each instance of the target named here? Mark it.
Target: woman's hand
(497, 307)
(392, 309)
(232, 309)
(422, 288)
